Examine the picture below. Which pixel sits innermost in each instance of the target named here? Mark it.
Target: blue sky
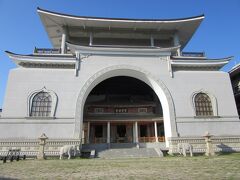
(21, 28)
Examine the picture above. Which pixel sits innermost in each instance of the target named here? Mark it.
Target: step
(130, 153)
(122, 145)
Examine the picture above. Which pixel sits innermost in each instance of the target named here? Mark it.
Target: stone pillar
(88, 133)
(108, 134)
(133, 133)
(136, 134)
(176, 43)
(155, 130)
(42, 143)
(90, 39)
(63, 43)
(152, 41)
(209, 146)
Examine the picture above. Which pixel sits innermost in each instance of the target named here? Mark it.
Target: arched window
(203, 105)
(41, 105)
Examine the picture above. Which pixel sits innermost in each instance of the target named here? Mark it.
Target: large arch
(132, 71)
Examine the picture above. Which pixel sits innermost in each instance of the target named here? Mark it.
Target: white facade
(152, 70)
(69, 78)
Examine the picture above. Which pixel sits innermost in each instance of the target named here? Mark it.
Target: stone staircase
(130, 153)
(125, 150)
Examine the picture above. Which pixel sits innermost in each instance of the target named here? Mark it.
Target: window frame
(213, 103)
(54, 99)
(120, 110)
(41, 105)
(98, 110)
(142, 108)
(203, 105)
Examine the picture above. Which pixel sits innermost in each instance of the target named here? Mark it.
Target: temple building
(112, 83)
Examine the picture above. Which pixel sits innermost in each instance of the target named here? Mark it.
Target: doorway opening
(121, 130)
(121, 102)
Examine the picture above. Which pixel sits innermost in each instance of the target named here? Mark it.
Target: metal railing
(146, 139)
(122, 140)
(151, 139)
(161, 139)
(193, 54)
(49, 51)
(46, 51)
(125, 140)
(99, 140)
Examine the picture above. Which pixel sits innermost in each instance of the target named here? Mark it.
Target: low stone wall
(30, 147)
(220, 144)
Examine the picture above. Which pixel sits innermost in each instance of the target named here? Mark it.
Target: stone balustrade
(220, 144)
(30, 147)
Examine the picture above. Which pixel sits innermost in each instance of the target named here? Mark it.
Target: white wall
(23, 81)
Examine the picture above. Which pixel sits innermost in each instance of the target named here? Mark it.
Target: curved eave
(40, 10)
(235, 70)
(36, 59)
(54, 23)
(207, 63)
(118, 50)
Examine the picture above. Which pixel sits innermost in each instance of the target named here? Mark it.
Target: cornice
(43, 61)
(200, 63)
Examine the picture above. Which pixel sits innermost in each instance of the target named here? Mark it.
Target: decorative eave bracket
(169, 61)
(79, 58)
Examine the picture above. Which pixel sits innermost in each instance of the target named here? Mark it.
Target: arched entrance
(130, 107)
(131, 71)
